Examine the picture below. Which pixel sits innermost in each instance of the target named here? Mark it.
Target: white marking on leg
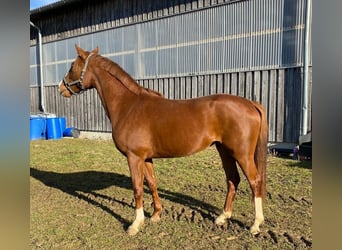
(138, 222)
(139, 214)
(259, 216)
(222, 218)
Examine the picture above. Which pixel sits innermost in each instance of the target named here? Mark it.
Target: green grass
(81, 198)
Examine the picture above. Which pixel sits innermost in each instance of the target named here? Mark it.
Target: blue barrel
(62, 124)
(53, 128)
(37, 127)
(71, 132)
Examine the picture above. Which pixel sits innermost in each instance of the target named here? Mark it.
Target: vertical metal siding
(243, 36)
(276, 89)
(248, 48)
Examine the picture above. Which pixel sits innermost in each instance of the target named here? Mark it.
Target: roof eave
(52, 6)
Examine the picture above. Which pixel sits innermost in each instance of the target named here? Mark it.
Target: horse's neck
(113, 95)
(124, 78)
(130, 84)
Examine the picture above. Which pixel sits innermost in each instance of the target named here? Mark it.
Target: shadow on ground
(89, 181)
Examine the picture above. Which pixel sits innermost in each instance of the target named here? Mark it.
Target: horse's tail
(261, 148)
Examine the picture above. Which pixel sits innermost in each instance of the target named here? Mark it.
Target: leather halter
(78, 82)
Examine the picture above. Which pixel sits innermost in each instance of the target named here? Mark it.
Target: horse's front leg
(152, 184)
(136, 167)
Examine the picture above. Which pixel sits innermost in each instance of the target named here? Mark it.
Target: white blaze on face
(63, 91)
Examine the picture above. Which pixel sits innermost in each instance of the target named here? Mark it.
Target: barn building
(183, 49)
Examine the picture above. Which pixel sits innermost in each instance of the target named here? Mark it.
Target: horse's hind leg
(152, 183)
(233, 180)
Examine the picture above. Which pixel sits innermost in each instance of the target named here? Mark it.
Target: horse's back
(208, 112)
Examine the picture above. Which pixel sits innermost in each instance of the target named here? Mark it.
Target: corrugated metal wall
(248, 48)
(253, 36)
(276, 89)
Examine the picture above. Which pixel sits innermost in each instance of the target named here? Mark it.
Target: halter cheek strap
(78, 82)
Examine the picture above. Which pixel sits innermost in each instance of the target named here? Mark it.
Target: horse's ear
(80, 52)
(96, 50)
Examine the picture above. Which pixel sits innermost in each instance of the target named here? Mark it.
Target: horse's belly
(181, 143)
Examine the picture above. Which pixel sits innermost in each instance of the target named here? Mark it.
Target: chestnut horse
(145, 125)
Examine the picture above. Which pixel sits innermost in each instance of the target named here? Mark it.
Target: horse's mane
(115, 70)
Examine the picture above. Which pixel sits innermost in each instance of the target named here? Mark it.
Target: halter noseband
(78, 82)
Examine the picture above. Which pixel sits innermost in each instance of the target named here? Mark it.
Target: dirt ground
(81, 198)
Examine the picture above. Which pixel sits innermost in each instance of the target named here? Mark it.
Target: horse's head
(78, 78)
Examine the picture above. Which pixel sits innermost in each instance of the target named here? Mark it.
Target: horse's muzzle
(63, 91)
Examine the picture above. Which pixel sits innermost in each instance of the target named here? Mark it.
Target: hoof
(155, 219)
(132, 231)
(135, 228)
(255, 230)
(222, 218)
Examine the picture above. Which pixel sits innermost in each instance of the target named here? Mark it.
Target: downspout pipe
(42, 97)
(306, 68)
